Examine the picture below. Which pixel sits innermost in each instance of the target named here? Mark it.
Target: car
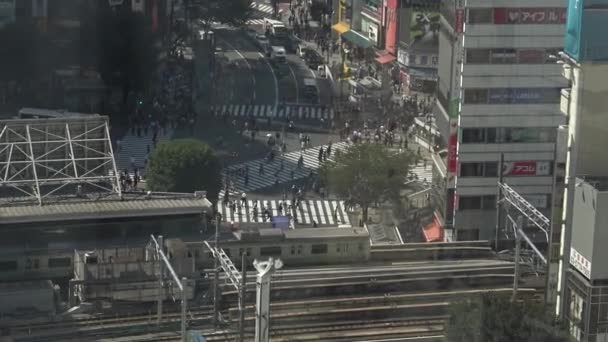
(313, 59)
(261, 40)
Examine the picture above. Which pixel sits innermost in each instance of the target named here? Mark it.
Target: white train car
(295, 247)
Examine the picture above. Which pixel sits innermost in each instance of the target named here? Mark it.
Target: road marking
(276, 84)
(246, 62)
(295, 80)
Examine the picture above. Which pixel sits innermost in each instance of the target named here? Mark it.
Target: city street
(250, 81)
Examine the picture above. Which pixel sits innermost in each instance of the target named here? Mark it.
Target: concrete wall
(599, 270)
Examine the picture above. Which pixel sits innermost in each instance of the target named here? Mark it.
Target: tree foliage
(233, 12)
(184, 165)
(365, 174)
(494, 318)
(24, 52)
(122, 46)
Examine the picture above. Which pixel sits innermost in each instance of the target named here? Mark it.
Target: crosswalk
(322, 212)
(260, 11)
(293, 111)
(278, 171)
(421, 172)
(132, 145)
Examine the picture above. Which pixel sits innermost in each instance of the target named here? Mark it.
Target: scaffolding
(40, 158)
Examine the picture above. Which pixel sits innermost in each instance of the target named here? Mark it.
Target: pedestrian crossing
(294, 112)
(260, 11)
(322, 212)
(136, 147)
(422, 172)
(263, 174)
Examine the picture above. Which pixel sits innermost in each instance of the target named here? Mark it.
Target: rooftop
(105, 206)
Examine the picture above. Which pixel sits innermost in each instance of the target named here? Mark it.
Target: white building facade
(498, 93)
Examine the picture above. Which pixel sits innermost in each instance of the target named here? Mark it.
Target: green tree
(494, 318)
(184, 165)
(122, 45)
(365, 174)
(233, 12)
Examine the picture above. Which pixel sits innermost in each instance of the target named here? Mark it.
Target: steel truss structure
(40, 158)
(510, 198)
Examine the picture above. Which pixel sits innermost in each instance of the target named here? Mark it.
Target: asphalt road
(248, 77)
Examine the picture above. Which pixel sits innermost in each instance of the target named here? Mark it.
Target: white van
(278, 54)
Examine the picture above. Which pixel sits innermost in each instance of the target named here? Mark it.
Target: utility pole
(159, 309)
(242, 298)
(262, 304)
(180, 284)
(518, 235)
(216, 274)
(184, 304)
(501, 163)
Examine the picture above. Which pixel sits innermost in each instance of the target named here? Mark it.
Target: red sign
(452, 152)
(554, 15)
(526, 168)
(460, 20)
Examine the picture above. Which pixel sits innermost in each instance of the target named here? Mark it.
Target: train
(295, 247)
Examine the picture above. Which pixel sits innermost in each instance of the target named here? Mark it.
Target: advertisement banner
(552, 15)
(424, 26)
(522, 95)
(459, 21)
(526, 168)
(391, 26)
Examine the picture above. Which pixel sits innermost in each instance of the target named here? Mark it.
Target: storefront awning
(385, 59)
(341, 27)
(357, 39)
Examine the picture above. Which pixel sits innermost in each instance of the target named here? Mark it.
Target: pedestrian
(320, 155)
(243, 199)
(246, 180)
(132, 161)
(292, 174)
(261, 169)
(118, 145)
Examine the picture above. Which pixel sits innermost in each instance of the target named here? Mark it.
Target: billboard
(424, 26)
(526, 168)
(523, 95)
(530, 15)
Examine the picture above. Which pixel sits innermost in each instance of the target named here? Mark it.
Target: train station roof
(103, 206)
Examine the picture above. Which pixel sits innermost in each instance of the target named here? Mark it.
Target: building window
(503, 56)
(473, 135)
(478, 135)
(270, 251)
(479, 16)
(293, 250)
(476, 202)
(475, 96)
(471, 169)
(469, 202)
(488, 202)
(490, 169)
(319, 249)
(478, 56)
(59, 262)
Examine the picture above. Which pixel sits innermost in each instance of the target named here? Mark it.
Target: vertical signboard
(391, 26)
